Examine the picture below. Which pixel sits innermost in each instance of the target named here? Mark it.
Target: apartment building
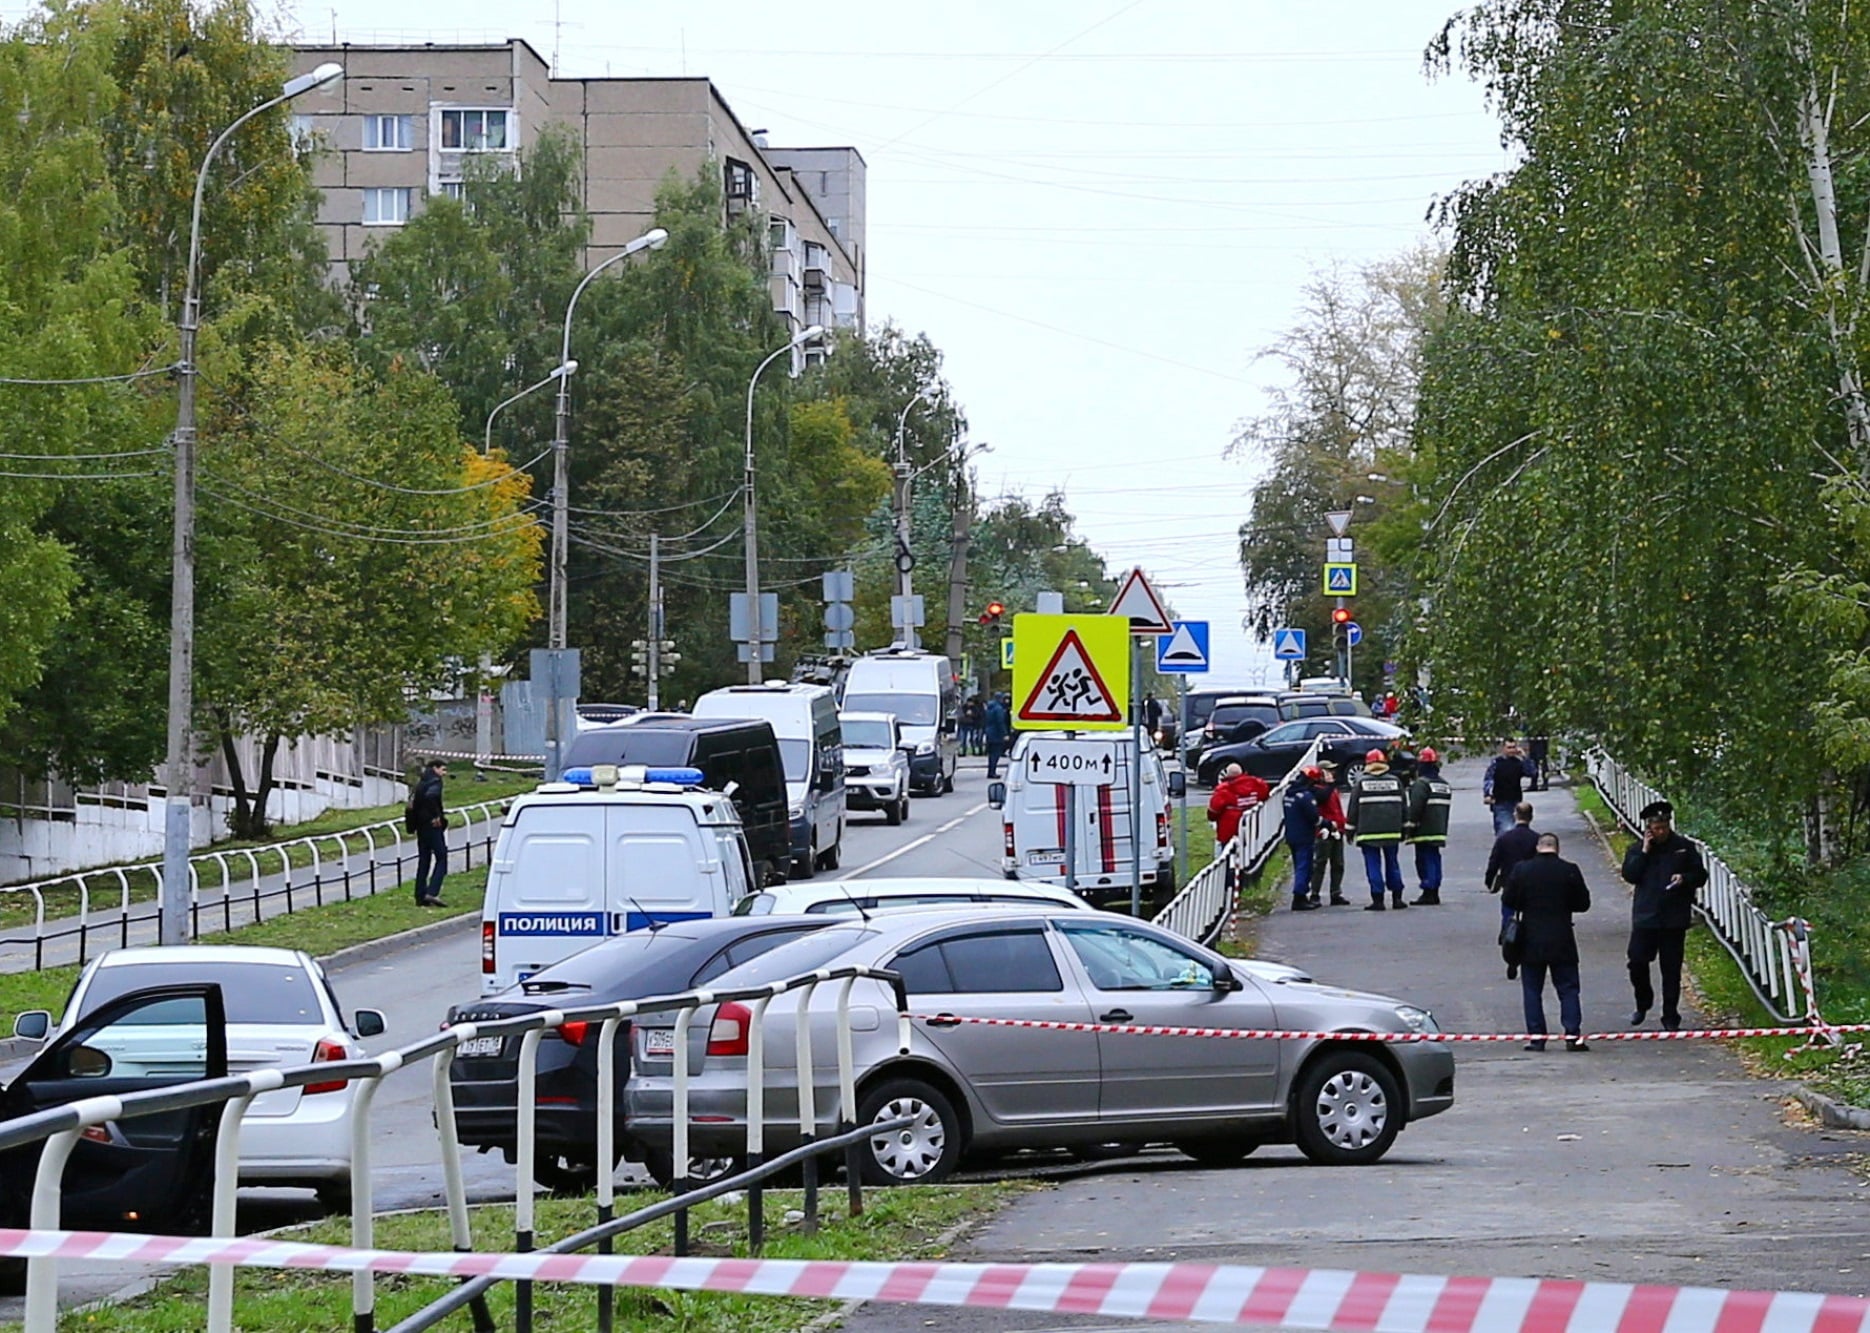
(402, 124)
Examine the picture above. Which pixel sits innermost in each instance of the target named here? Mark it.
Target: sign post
(1181, 846)
(1137, 602)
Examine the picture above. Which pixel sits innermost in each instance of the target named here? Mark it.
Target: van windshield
(797, 757)
(912, 710)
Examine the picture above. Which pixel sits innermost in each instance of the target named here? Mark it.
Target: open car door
(152, 1172)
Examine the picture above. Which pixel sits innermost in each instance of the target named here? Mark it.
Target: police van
(605, 851)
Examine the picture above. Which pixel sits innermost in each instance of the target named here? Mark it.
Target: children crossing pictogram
(1069, 691)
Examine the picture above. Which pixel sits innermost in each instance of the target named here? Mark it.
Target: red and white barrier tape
(1407, 1038)
(1208, 1293)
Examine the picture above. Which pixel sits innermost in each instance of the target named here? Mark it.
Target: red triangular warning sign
(1137, 602)
(1070, 690)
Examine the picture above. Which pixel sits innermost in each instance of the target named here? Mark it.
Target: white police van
(602, 852)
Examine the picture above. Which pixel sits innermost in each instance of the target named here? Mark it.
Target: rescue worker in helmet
(1375, 818)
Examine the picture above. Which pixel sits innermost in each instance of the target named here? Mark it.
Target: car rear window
(797, 957)
(741, 952)
(250, 992)
(629, 745)
(973, 964)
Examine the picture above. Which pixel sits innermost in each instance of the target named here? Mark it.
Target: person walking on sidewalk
(1517, 844)
(1503, 786)
(1425, 824)
(1375, 820)
(1547, 891)
(1301, 814)
(1328, 855)
(997, 726)
(1666, 870)
(429, 822)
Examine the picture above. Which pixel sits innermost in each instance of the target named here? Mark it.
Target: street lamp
(811, 333)
(180, 766)
(905, 559)
(652, 239)
(567, 368)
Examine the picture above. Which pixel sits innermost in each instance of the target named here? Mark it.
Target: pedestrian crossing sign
(1340, 580)
(1006, 654)
(1070, 672)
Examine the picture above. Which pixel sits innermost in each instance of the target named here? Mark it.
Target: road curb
(370, 950)
(1831, 1113)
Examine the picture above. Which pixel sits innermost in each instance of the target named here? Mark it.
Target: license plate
(659, 1041)
(1044, 858)
(481, 1046)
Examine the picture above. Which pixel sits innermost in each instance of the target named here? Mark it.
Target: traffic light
(639, 657)
(993, 614)
(1340, 615)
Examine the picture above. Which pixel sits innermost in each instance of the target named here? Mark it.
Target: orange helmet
(1312, 773)
(1376, 757)
(1428, 755)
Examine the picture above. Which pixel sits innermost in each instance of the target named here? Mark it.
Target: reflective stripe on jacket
(1430, 796)
(1375, 812)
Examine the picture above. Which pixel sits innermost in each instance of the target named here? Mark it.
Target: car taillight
(486, 948)
(1162, 830)
(1009, 840)
(727, 1035)
(572, 1032)
(328, 1052)
(95, 1133)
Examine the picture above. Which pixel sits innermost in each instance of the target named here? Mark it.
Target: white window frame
(404, 133)
(378, 194)
(442, 114)
(456, 190)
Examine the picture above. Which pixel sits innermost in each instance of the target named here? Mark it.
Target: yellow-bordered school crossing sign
(1070, 672)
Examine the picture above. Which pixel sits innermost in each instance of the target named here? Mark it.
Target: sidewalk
(69, 940)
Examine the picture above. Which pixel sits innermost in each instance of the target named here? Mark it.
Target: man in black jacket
(1666, 870)
(429, 823)
(1546, 891)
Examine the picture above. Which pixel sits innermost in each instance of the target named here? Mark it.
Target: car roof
(907, 886)
(676, 939)
(866, 717)
(683, 722)
(195, 954)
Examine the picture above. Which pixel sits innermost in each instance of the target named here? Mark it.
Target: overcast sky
(1100, 210)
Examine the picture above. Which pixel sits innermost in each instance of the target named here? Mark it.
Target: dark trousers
(1662, 944)
(1382, 867)
(996, 751)
(431, 862)
(1328, 855)
(1428, 866)
(1302, 867)
(1565, 982)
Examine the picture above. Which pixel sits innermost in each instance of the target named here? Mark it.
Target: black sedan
(663, 961)
(1271, 754)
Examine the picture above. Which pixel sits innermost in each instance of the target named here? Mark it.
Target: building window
(455, 189)
(478, 131)
(386, 206)
(304, 137)
(389, 133)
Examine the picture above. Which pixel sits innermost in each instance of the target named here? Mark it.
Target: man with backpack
(425, 818)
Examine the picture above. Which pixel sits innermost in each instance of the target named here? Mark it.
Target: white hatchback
(281, 1010)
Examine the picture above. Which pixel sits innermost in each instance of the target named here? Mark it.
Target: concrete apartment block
(405, 120)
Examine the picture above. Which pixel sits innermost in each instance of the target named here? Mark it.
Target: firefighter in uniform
(1425, 824)
(1375, 816)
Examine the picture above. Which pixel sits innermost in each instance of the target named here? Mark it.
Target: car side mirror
(1178, 784)
(1226, 983)
(996, 795)
(368, 1022)
(33, 1025)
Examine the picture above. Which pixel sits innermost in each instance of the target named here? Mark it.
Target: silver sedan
(981, 1088)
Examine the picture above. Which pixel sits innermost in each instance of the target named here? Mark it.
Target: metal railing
(1773, 955)
(355, 862)
(60, 1129)
(1200, 911)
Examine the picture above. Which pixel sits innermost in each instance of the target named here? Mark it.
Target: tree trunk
(263, 793)
(1834, 282)
(237, 822)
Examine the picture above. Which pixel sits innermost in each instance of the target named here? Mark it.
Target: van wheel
(896, 810)
(829, 858)
(806, 866)
(947, 784)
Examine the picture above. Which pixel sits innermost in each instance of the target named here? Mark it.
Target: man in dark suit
(1546, 891)
(1666, 870)
(1509, 849)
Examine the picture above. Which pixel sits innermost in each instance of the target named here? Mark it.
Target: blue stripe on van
(622, 922)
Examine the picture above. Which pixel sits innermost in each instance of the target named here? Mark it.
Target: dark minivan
(742, 751)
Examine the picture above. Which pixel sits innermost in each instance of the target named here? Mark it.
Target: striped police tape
(1208, 1293)
(1284, 1034)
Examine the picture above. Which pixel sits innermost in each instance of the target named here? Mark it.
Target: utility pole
(655, 622)
(905, 556)
(957, 560)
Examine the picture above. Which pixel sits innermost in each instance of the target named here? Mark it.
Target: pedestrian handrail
(1200, 910)
(219, 879)
(61, 1127)
(1772, 955)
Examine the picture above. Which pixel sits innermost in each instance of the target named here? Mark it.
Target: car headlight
(926, 747)
(796, 811)
(1417, 1020)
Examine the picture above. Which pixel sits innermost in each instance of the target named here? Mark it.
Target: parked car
(976, 1087)
(1317, 703)
(848, 898)
(876, 764)
(280, 1009)
(1233, 717)
(153, 1172)
(1272, 754)
(662, 961)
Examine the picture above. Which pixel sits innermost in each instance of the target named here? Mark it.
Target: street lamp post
(557, 372)
(905, 558)
(180, 765)
(811, 333)
(652, 239)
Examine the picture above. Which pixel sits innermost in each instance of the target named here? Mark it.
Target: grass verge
(320, 931)
(910, 1223)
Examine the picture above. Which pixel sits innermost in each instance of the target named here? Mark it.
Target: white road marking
(908, 847)
(954, 824)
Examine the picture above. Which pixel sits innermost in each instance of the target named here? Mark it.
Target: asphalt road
(1640, 1162)
(944, 836)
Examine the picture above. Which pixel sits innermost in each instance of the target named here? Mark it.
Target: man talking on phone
(1666, 870)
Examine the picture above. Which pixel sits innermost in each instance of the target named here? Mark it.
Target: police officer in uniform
(1425, 824)
(1301, 829)
(1375, 816)
(1666, 870)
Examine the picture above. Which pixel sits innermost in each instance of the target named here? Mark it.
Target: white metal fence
(1772, 954)
(119, 905)
(60, 1128)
